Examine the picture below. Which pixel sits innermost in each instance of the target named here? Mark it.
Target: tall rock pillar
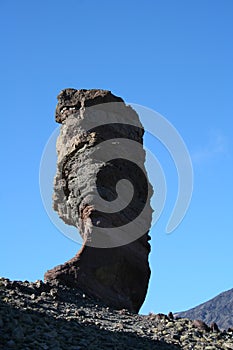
(101, 187)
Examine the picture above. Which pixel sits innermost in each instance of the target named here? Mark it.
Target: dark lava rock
(99, 148)
(201, 325)
(214, 327)
(76, 323)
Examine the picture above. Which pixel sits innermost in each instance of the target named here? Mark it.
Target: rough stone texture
(218, 310)
(49, 316)
(112, 264)
(72, 98)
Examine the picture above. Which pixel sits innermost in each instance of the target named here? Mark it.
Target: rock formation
(101, 187)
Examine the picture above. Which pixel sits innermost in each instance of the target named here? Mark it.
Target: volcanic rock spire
(101, 187)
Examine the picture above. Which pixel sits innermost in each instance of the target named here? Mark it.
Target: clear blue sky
(175, 57)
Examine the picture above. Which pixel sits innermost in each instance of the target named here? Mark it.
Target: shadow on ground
(27, 329)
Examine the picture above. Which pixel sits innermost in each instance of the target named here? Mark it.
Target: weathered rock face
(101, 188)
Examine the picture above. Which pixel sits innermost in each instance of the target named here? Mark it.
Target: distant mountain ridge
(218, 310)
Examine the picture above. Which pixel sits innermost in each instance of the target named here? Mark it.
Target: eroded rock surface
(101, 187)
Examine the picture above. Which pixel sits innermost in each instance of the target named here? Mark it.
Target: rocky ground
(48, 316)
